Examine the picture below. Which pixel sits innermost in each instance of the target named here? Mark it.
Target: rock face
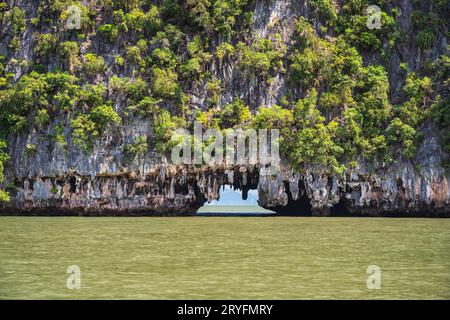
(163, 189)
(54, 181)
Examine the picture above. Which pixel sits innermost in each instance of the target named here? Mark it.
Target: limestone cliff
(54, 179)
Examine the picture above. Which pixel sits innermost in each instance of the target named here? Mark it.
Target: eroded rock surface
(55, 181)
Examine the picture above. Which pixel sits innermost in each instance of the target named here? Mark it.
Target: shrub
(104, 116)
(164, 83)
(418, 91)
(373, 103)
(305, 34)
(326, 9)
(225, 13)
(42, 118)
(164, 58)
(45, 44)
(208, 119)
(84, 132)
(133, 54)
(368, 40)
(274, 117)
(441, 114)
(119, 60)
(134, 89)
(147, 106)
(137, 148)
(63, 89)
(57, 136)
(31, 91)
(109, 31)
(399, 132)
(425, 38)
(192, 67)
(312, 143)
(88, 127)
(165, 125)
(195, 46)
(349, 133)
(235, 114)
(87, 13)
(199, 13)
(213, 90)
(18, 20)
(304, 67)
(135, 20)
(93, 94)
(171, 37)
(152, 20)
(70, 50)
(93, 64)
(225, 50)
(262, 57)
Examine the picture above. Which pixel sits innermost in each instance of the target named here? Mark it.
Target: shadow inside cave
(340, 209)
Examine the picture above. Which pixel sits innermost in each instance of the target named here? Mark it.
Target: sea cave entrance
(233, 202)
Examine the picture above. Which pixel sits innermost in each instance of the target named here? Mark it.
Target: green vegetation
(425, 38)
(172, 62)
(165, 125)
(441, 107)
(19, 99)
(428, 23)
(326, 10)
(263, 57)
(93, 64)
(42, 118)
(69, 50)
(225, 15)
(234, 114)
(313, 143)
(134, 89)
(87, 128)
(225, 50)
(18, 20)
(84, 132)
(164, 83)
(147, 106)
(45, 44)
(137, 148)
(192, 68)
(109, 31)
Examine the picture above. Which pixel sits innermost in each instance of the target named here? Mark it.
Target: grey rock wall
(56, 180)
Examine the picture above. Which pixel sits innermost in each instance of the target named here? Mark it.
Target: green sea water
(224, 257)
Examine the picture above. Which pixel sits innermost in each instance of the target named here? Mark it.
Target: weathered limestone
(55, 180)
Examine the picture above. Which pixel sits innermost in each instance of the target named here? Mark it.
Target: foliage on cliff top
(149, 57)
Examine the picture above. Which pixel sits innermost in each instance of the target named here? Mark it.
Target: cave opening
(234, 202)
(340, 209)
(73, 185)
(299, 207)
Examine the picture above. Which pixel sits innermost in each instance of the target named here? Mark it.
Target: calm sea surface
(224, 257)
